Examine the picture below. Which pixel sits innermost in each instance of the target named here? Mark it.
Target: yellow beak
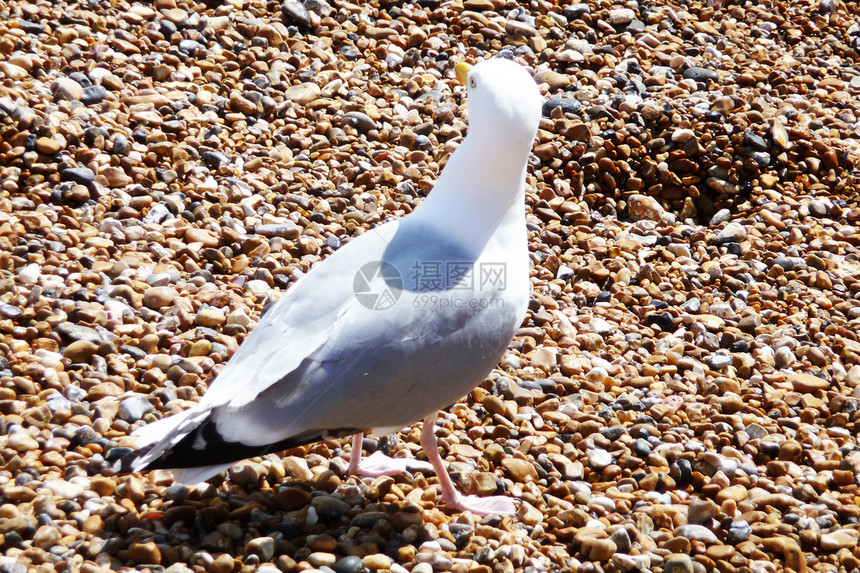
(461, 70)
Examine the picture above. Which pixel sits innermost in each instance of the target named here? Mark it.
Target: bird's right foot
(378, 464)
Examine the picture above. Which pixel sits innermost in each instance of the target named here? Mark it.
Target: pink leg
(378, 464)
(453, 498)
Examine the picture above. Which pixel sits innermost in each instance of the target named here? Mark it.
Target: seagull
(397, 324)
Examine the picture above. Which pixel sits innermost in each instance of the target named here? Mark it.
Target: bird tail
(156, 439)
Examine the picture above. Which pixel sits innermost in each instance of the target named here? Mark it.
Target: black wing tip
(216, 451)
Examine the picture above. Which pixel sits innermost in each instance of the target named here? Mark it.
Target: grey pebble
(359, 120)
(94, 94)
(134, 408)
(74, 332)
(700, 74)
(567, 105)
(82, 175)
(296, 13)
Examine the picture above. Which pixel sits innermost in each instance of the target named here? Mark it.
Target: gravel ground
(683, 396)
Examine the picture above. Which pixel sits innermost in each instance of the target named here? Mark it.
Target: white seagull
(400, 322)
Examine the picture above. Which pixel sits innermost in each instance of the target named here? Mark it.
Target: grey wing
(379, 369)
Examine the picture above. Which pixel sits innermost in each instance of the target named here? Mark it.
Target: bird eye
(473, 83)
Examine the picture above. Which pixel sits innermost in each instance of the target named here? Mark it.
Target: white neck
(482, 183)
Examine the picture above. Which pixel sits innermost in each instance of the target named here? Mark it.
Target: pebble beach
(683, 396)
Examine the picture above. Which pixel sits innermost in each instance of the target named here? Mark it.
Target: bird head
(504, 102)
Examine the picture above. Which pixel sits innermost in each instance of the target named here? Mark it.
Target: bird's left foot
(378, 464)
(483, 506)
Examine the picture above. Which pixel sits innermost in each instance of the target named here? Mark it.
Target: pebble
(520, 470)
(303, 93)
(839, 539)
(564, 104)
(80, 350)
(134, 408)
(65, 88)
(159, 297)
(696, 533)
(352, 564)
(678, 564)
(144, 553)
(377, 561)
(599, 458)
(263, 547)
(21, 442)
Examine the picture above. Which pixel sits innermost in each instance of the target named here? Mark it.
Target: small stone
(144, 553)
(82, 175)
(731, 233)
(204, 236)
(565, 104)
(303, 93)
(783, 357)
(696, 533)
(350, 564)
(210, 317)
(80, 350)
(93, 94)
(780, 134)
(735, 493)
(645, 207)
(704, 75)
(544, 359)
(678, 564)
(807, 383)
(720, 216)
(702, 511)
(682, 135)
(296, 13)
(330, 507)
(134, 408)
(297, 468)
(377, 561)
(839, 539)
(285, 230)
(240, 104)
(721, 186)
(818, 208)
(66, 89)
(599, 458)
(479, 5)
(359, 120)
(598, 549)
(263, 547)
(48, 145)
(790, 550)
(104, 390)
(554, 79)
(224, 563)
(641, 448)
(323, 559)
(21, 442)
(622, 540)
(159, 297)
(520, 470)
(739, 531)
(621, 16)
(46, 537)
(12, 71)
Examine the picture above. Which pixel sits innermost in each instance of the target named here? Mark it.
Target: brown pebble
(144, 553)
